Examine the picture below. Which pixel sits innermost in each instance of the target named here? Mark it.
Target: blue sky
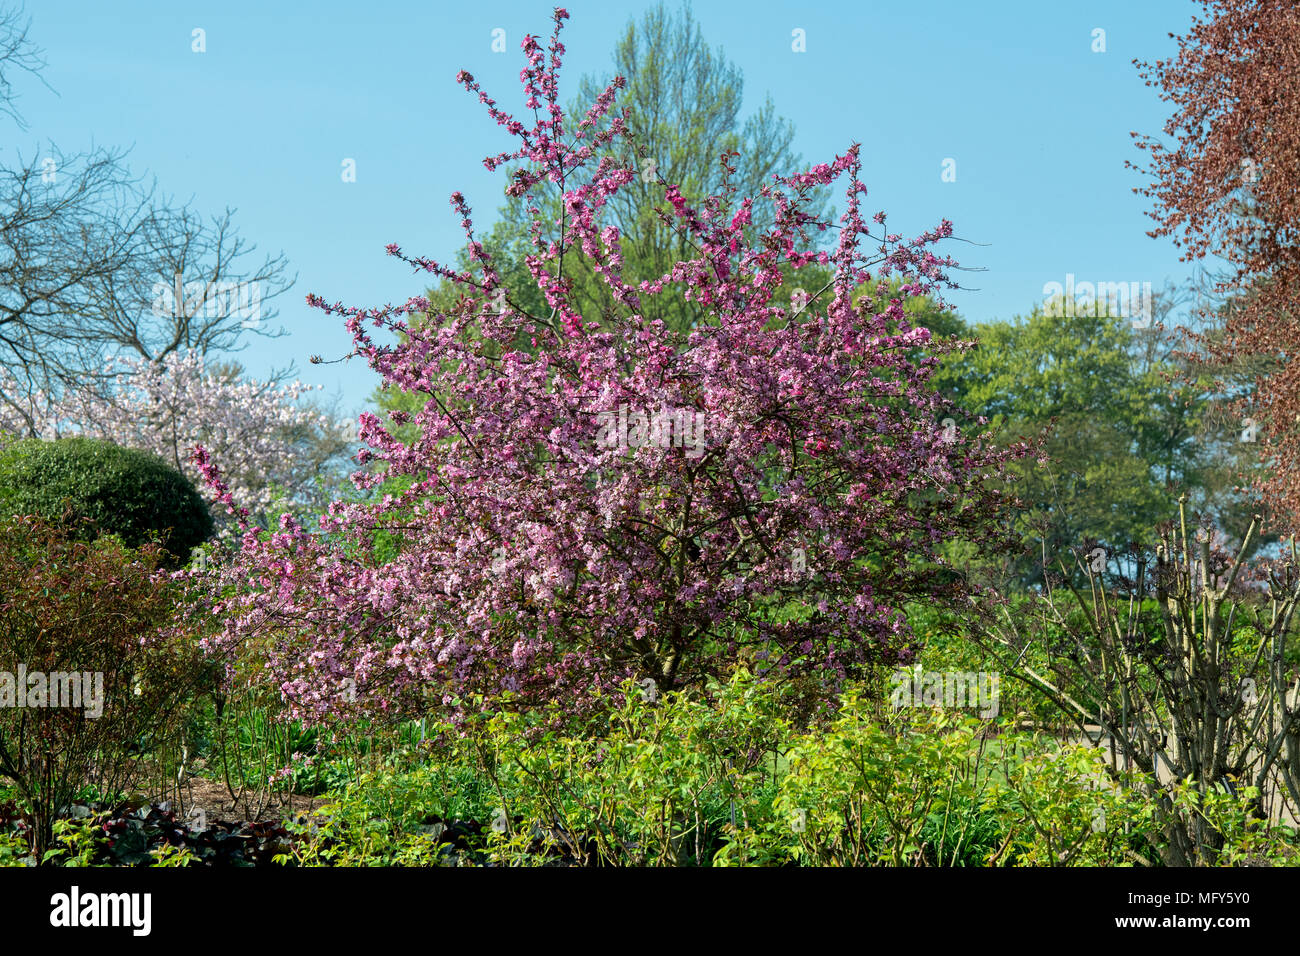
(1036, 121)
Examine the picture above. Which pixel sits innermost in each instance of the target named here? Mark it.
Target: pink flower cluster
(525, 556)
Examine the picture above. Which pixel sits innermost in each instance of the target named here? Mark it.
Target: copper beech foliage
(1225, 185)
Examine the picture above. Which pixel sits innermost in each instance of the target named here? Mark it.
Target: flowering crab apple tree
(620, 500)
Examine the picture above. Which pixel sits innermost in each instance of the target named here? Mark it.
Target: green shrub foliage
(95, 488)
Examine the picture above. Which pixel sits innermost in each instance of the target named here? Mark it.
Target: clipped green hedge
(124, 492)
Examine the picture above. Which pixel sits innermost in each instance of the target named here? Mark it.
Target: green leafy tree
(683, 107)
(1123, 432)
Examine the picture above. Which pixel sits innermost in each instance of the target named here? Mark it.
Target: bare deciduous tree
(17, 53)
(1181, 672)
(95, 264)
